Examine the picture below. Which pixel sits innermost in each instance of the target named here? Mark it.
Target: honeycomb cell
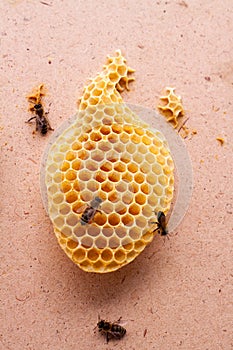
(111, 165)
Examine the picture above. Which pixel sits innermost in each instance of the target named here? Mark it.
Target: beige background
(179, 290)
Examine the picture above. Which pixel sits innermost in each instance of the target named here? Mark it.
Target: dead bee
(42, 122)
(113, 330)
(90, 211)
(161, 224)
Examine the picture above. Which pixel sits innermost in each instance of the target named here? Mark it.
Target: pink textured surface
(180, 291)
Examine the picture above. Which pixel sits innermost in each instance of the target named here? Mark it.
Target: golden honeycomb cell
(110, 154)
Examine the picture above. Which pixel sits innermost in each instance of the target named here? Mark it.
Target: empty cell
(150, 158)
(133, 187)
(98, 154)
(87, 119)
(139, 178)
(93, 254)
(109, 111)
(84, 175)
(124, 138)
(131, 148)
(105, 130)
(93, 186)
(58, 157)
(65, 166)
(120, 255)
(79, 255)
(169, 192)
(65, 186)
(114, 77)
(163, 180)
(58, 198)
(151, 179)
(167, 170)
(116, 128)
(147, 210)
(107, 166)
(103, 146)
(107, 120)
(138, 158)
(76, 146)
(145, 188)
(157, 169)
(127, 220)
(142, 149)
(59, 222)
(170, 163)
(79, 230)
(114, 219)
(113, 98)
(114, 242)
(97, 92)
(134, 209)
(72, 220)
(127, 177)
(135, 233)
(101, 242)
(71, 175)
(132, 167)
(118, 147)
(140, 198)
(76, 186)
(58, 177)
(98, 265)
(113, 138)
(164, 151)
(158, 190)
(122, 70)
(107, 231)
(127, 197)
(64, 209)
(152, 200)
(91, 87)
(52, 168)
(86, 241)
(106, 255)
(107, 207)
(86, 196)
(64, 147)
(141, 221)
(71, 197)
(121, 232)
(145, 167)
(53, 189)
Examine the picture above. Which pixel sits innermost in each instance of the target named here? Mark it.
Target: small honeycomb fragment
(110, 154)
(172, 108)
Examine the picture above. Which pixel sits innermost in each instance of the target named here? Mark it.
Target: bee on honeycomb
(111, 154)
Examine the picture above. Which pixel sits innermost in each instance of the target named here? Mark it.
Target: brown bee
(90, 211)
(42, 122)
(109, 329)
(161, 224)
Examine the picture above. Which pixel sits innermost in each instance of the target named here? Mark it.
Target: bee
(113, 330)
(42, 122)
(161, 224)
(90, 211)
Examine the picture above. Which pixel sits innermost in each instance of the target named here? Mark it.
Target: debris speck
(221, 140)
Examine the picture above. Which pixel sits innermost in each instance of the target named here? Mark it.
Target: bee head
(100, 324)
(38, 106)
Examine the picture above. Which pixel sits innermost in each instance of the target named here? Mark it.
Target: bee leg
(28, 121)
(107, 337)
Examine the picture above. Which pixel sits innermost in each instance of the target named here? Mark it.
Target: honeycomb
(172, 108)
(110, 154)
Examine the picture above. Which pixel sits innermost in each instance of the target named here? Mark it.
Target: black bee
(161, 224)
(42, 122)
(109, 329)
(90, 211)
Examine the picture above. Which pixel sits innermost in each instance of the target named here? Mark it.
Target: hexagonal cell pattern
(106, 175)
